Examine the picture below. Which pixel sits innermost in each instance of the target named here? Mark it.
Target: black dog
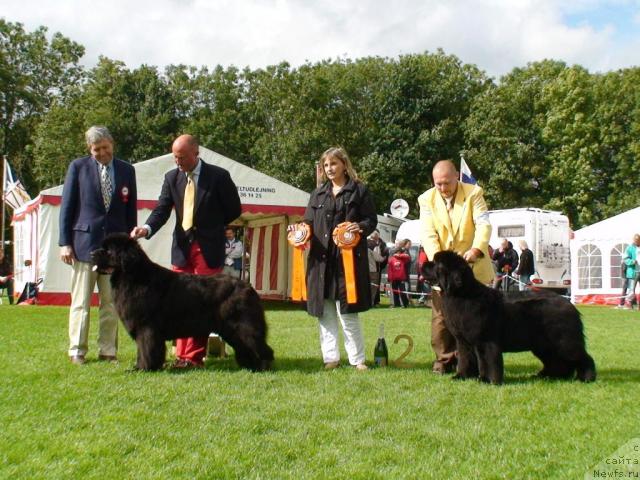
(156, 304)
(485, 324)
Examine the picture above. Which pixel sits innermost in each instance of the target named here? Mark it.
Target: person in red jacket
(397, 275)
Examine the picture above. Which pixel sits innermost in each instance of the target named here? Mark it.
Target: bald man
(205, 200)
(453, 216)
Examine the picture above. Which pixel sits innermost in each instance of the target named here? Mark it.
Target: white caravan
(547, 234)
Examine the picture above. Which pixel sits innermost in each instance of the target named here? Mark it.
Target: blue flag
(465, 173)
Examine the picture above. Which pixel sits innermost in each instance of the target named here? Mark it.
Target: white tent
(596, 255)
(268, 205)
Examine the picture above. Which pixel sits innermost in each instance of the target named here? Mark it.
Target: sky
(496, 35)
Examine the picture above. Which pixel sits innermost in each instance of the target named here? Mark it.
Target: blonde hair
(338, 153)
(523, 244)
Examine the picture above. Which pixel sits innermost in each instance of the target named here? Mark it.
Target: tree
(618, 115)
(33, 72)
(137, 106)
(419, 108)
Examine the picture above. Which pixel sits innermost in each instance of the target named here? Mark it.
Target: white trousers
(83, 281)
(353, 339)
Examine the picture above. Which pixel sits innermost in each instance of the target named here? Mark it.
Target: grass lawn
(99, 420)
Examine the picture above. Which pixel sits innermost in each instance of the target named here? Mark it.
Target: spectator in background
(406, 245)
(397, 275)
(506, 262)
(630, 260)
(398, 245)
(233, 254)
(6, 275)
(422, 286)
(375, 259)
(526, 266)
(375, 243)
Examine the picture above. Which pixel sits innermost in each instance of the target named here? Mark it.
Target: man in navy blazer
(198, 243)
(98, 198)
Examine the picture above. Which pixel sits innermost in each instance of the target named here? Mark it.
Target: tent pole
(244, 251)
(4, 173)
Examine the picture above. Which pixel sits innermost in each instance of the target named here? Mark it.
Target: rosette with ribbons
(298, 238)
(346, 242)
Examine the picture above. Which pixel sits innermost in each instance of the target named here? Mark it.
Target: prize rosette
(346, 242)
(298, 238)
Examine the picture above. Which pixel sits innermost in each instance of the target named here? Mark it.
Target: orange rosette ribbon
(298, 238)
(346, 242)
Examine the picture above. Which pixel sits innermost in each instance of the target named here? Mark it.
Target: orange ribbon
(298, 238)
(346, 242)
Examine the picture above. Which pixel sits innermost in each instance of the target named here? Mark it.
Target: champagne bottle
(380, 353)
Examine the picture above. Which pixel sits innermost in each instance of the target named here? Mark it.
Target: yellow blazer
(467, 227)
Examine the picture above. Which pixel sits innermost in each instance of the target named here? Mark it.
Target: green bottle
(380, 353)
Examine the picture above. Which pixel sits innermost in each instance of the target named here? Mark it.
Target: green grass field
(100, 420)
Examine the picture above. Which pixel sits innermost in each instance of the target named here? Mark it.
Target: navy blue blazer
(217, 204)
(84, 222)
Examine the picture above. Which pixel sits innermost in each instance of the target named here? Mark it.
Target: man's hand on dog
(472, 255)
(139, 232)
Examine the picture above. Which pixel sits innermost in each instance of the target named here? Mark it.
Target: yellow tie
(189, 197)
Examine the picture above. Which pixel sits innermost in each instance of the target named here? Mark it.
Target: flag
(465, 173)
(14, 193)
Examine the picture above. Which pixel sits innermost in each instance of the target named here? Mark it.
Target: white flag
(465, 173)
(15, 194)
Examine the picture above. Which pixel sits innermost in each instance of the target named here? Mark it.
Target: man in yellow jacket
(453, 216)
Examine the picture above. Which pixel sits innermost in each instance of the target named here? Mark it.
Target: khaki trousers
(83, 281)
(442, 342)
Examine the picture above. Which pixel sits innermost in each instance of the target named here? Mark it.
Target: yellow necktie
(189, 197)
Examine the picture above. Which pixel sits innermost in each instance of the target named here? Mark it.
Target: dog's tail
(586, 368)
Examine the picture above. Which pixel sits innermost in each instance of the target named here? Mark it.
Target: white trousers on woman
(353, 339)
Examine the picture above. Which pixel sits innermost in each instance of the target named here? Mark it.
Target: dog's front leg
(490, 364)
(467, 363)
(151, 350)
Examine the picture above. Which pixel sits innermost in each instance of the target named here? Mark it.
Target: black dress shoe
(107, 358)
(440, 368)
(181, 364)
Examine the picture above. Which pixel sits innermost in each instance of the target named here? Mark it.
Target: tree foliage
(546, 135)
(34, 72)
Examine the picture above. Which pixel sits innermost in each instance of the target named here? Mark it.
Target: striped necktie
(105, 185)
(449, 202)
(189, 197)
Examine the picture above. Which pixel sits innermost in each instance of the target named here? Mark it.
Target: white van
(388, 227)
(546, 232)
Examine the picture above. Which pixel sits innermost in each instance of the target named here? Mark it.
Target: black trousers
(8, 285)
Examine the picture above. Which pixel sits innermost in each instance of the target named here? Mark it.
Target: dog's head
(449, 271)
(118, 252)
